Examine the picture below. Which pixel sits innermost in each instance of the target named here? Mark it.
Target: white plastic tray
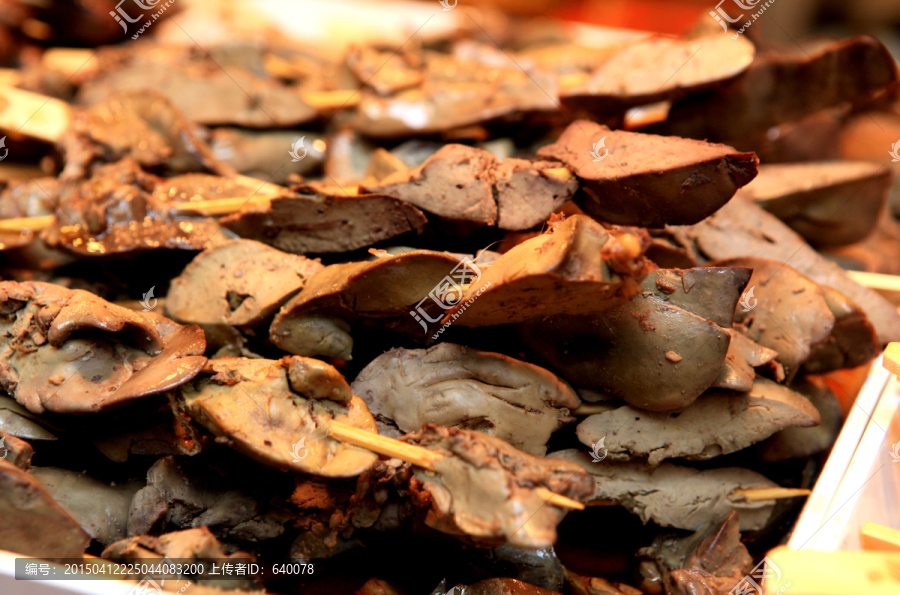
(861, 480)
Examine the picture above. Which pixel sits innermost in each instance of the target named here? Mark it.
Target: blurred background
(38, 21)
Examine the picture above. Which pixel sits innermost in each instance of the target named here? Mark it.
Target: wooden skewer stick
(68, 61)
(749, 495)
(892, 358)
(331, 100)
(26, 223)
(762, 494)
(10, 77)
(419, 456)
(593, 408)
(31, 114)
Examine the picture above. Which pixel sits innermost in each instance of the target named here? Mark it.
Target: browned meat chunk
(121, 209)
(453, 93)
(319, 221)
(252, 404)
(803, 321)
(659, 68)
(190, 544)
(782, 87)
(799, 442)
(143, 126)
(647, 180)
(675, 496)
(743, 357)
(787, 311)
(68, 351)
(454, 183)
(468, 184)
(201, 89)
(99, 507)
(852, 341)
(239, 284)
(742, 229)
(717, 423)
(15, 450)
(709, 562)
(33, 524)
(389, 292)
(181, 494)
(659, 351)
(456, 386)
(483, 488)
(578, 266)
(810, 198)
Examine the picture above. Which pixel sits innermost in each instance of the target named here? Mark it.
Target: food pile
(497, 310)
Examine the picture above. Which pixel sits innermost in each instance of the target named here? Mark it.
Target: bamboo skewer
(593, 408)
(749, 495)
(31, 114)
(892, 358)
(762, 494)
(420, 457)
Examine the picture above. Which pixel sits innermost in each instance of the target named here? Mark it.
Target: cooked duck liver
(483, 488)
(68, 351)
(659, 68)
(830, 203)
(238, 284)
(271, 423)
(649, 180)
(100, 508)
(33, 524)
(577, 266)
(651, 351)
(388, 291)
(452, 385)
(675, 496)
(717, 423)
(743, 229)
(315, 221)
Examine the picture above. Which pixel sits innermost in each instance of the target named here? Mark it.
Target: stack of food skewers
(265, 302)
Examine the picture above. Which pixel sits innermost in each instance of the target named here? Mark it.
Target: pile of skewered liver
(482, 260)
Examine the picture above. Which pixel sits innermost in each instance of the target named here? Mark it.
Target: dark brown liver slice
(650, 180)
(809, 197)
(779, 88)
(743, 229)
(317, 222)
(659, 68)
